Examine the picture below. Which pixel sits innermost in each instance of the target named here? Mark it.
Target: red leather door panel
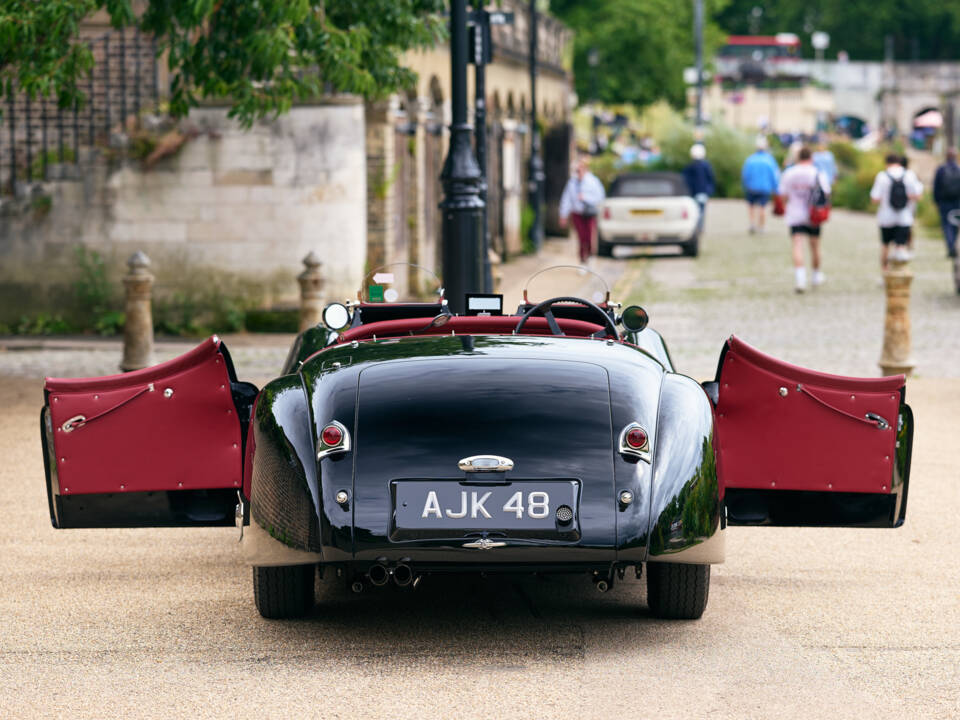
(170, 427)
(781, 428)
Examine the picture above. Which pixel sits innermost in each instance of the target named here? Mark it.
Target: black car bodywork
(412, 397)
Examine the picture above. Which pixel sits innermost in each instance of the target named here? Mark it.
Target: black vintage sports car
(403, 440)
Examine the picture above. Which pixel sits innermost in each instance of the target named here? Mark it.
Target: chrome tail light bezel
(643, 452)
(325, 450)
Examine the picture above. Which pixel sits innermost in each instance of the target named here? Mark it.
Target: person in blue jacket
(760, 177)
(700, 180)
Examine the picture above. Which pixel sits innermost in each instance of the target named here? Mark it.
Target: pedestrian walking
(825, 162)
(797, 185)
(581, 200)
(700, 179)
(946, 193)
(760, 177)
(893, 190)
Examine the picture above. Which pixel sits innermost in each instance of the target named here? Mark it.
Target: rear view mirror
(634, 318)
(336, 316)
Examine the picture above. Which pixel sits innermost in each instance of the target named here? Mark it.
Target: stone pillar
(381, 180)
(138, 327)
(896, 327)
(311, 292)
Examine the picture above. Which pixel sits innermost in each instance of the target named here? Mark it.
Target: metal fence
(39, 134)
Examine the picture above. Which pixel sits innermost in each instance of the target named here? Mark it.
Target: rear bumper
(622, 233)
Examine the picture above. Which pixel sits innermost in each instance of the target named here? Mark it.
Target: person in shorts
(896, 191)
(796, 185)
(759, 176)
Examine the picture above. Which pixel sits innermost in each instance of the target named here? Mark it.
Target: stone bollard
(138, 327)
(311, 289)
(895, 358)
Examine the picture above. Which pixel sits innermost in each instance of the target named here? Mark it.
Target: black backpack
(951, 182)
(898, 193)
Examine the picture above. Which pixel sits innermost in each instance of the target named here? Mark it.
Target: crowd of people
(800, 192)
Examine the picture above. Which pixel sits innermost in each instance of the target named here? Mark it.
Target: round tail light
(331, 435)
(606, 213)
(636, 438)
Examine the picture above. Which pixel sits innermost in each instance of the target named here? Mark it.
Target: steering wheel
(547, 305)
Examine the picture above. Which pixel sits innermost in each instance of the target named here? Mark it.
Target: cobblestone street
(743, 284)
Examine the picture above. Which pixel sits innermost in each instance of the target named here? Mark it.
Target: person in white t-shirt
(796, 185)
(896, 190)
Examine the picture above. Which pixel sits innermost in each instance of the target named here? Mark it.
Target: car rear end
(648, 209)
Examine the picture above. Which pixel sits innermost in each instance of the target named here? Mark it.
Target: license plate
(430, 505)
(646, 211)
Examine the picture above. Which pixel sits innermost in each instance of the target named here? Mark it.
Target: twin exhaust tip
(379, 575)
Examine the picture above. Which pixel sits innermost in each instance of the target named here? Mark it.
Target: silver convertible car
(401, 441)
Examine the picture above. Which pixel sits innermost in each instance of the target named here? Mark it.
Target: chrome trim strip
(325, 449)
(624, 449)
(485, 463)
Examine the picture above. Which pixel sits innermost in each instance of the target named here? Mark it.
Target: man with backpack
(946, 193)
(807, 194)
(895, 190)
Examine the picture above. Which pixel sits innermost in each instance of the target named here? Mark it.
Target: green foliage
(53, 158)
(642, 47)
(200, 311)
(41, 206)
(921, 29)
(5, 329)
(527, 216)
(857, 171)
(272, 321)
(263, 56)
(91, 289)
(727, 148)
(43, 324)
(928, 215)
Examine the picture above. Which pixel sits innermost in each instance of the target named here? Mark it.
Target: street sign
(820, 40)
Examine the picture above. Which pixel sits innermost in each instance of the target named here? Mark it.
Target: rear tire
(691, 248)
(604, 249)
(284, 591)
(677, 591)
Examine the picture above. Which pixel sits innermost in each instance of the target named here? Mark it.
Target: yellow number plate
(646, 211)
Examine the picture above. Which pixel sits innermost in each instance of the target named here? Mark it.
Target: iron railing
(39, 133)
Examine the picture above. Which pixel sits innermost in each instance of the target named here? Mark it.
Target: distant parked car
(652, 208)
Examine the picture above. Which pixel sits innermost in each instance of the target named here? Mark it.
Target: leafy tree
(261, 54)
(642, 47)
(921, 29)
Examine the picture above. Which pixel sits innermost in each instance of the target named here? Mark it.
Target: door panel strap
(870, 418)
(78, 421)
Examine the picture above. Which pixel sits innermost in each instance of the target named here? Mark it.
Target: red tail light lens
(331, 435)
(606, 213)
(685, 214)
(636, 438)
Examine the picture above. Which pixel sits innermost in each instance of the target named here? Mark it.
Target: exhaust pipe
(402, 575)
(357, 586)
(378, 575)
(602, 585)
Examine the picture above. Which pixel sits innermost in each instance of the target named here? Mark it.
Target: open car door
(162, 446)
(798, 447)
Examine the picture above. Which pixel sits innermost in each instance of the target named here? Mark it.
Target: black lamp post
(462, 206)
(535, 175)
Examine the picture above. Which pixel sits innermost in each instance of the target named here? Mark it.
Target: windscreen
(401, 283)
(566, 280)
(652, 186)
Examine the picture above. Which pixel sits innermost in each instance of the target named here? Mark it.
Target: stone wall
(242, 207)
